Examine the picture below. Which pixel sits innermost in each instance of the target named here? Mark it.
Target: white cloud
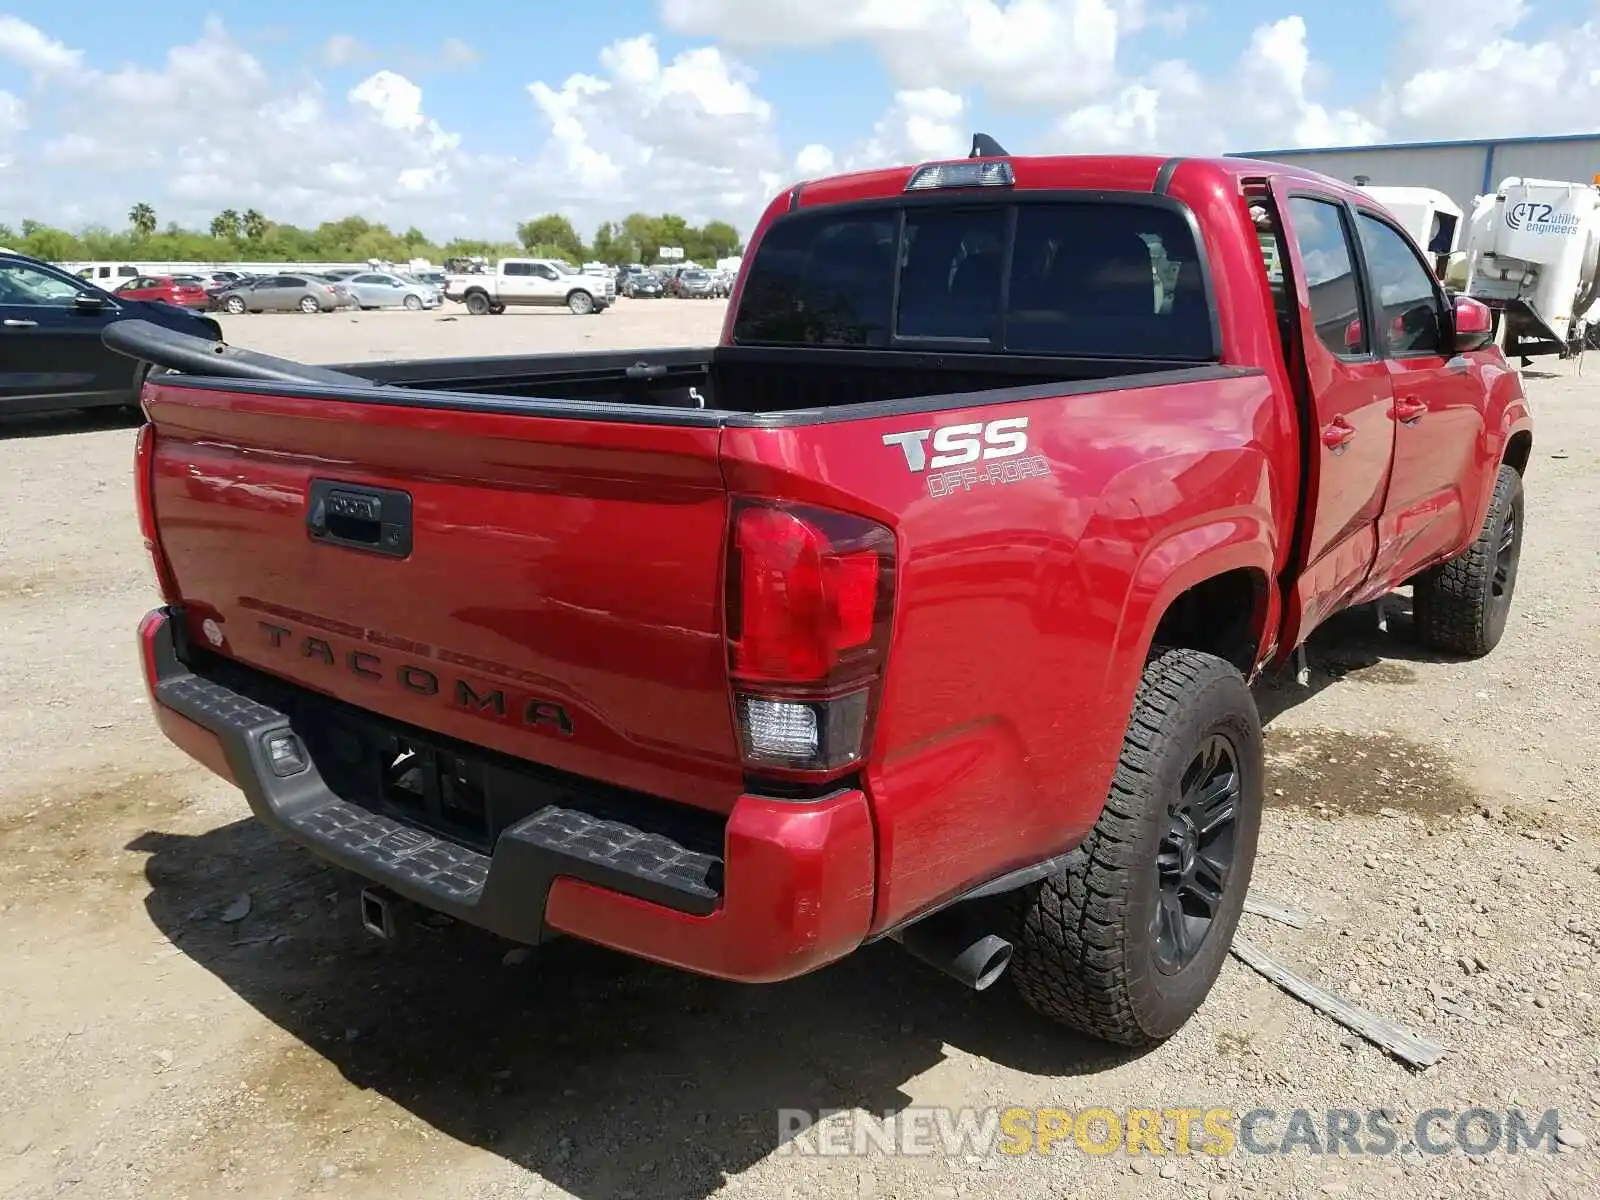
(1472, 72)
(921, 124)
(690, 135)
(398, 103)
(1021, 52)
(210, 124)
(13, 116)
(31, 50)
(1265, 99)
(211, 127)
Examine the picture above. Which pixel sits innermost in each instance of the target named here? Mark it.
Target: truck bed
(757, 381)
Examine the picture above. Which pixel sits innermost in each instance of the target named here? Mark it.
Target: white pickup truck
(531, 282)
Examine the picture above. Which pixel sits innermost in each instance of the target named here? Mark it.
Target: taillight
(810, 598)
(144, 498)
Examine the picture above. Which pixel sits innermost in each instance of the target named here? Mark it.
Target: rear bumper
(792, 890)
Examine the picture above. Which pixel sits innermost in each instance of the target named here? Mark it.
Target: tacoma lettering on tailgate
(479, 698)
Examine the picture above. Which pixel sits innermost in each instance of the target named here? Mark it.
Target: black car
(51, 355)
(644, 285)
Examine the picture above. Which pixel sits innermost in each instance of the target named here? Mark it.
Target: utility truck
(1532, 254)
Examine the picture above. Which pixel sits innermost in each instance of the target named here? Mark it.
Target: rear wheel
(477, 303)
(308, 304)
(1461, 606)
(1125, 942)
(580, 302)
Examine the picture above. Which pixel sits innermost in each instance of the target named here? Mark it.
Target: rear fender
(1179, 560)
(1507, 416)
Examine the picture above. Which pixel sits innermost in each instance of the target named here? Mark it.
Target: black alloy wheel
(1196, 854)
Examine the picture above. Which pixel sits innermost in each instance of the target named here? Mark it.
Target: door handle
(15, 323)
(1409, 410)
(1337, 433)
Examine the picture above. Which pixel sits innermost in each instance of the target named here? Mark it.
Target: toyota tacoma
(924, 606)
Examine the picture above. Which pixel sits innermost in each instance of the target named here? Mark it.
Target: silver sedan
(282, 293)
(375, 289)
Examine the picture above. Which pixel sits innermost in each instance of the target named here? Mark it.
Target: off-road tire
(580, 302)
(1083, 940)
(1461, 606)
(477, 303)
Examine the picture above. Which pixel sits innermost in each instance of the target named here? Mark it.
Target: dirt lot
(1436, 817)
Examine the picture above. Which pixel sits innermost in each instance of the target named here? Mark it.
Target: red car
(186, 291)
(924, 606)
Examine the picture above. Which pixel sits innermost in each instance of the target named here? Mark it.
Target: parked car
(376, 289)
(185, 291)
(696, 285)
(532, 282)
(217, 282)
(51, 353)
(644, 285)
(283, 293)
(924, 607)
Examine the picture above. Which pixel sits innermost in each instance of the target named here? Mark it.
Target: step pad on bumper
(555, 840)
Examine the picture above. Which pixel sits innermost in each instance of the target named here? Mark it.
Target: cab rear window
(1089, 278)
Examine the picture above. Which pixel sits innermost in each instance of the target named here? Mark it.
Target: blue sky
(765, 89)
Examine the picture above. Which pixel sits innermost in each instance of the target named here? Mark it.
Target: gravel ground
(161, 1041)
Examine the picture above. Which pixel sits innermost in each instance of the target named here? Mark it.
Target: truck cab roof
(1112, 172)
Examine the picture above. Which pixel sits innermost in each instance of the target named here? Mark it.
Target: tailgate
(550, 588)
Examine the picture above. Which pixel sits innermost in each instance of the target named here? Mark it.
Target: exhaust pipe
(960, 943)
(377, 912)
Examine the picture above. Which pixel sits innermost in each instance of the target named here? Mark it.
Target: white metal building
(1461, 170)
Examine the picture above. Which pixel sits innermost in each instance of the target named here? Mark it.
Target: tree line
(252, 237)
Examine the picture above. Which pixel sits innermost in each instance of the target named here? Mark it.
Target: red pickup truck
(924, 606)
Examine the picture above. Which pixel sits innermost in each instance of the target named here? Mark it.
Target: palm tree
(255, 225)
(143, 219)
(225, 226)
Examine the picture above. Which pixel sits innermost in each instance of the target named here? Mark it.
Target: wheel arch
(1224, 614)
(1206, 588)
(1519, 449)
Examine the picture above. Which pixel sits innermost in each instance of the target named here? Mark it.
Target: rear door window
(1327, 257)
(1089, 278)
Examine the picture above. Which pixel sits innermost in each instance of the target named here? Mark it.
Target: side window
(1330, 278)
(1412, 320)
(27, 285)
(544, 272)
(517, 269)
(289, 281)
